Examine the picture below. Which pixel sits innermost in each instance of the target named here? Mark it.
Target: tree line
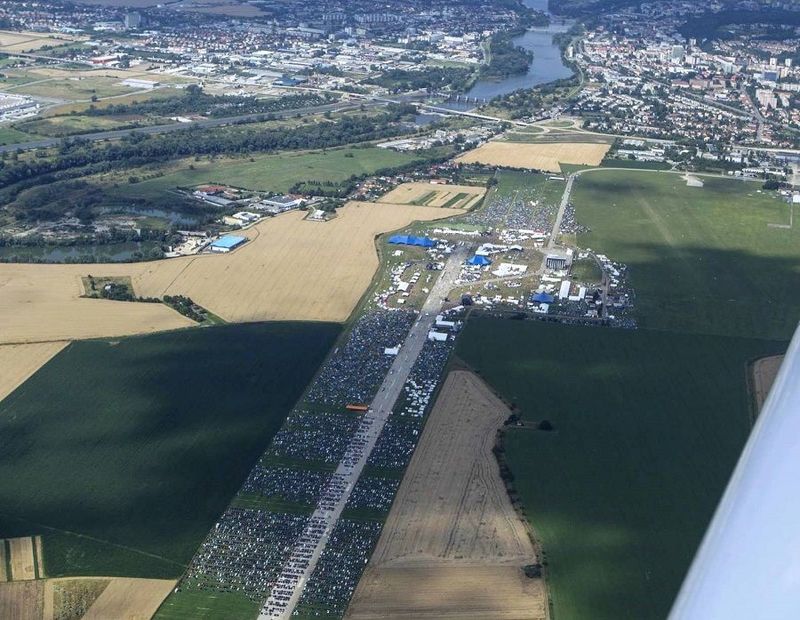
(194, 101)
(79, 157)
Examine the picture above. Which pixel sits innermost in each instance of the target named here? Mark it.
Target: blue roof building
(227, 243)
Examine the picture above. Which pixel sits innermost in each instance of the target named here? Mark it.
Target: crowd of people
(356, 369)
(244, 552)
(569, 222)
(373, 493)
(299, 486)
(263, 553)
(336, 576)
(525, 209)
(401, 432)
(320, 436)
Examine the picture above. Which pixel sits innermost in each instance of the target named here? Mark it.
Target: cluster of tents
(480, 261)
(543, 298)
(423, 242)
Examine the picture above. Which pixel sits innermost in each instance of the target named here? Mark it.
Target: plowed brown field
(21, 600)
(452, 546)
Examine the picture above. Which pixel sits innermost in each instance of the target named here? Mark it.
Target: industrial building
(227, 243)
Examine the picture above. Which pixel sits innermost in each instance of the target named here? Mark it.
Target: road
(208, 123)
(551, 242)
(307, 550)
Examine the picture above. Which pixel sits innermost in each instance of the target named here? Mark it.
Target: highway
(207, 123)
(303, 560)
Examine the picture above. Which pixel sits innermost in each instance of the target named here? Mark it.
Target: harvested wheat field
(12, 41)
(537, 156)
(104, 598)
(290, 270)
(452, 546)
(764, 372)
(20, 361)
(22, 600)
(130, 599)
(21, 560)
(41, 303)
(3, 571)
(435, 195)
(475, 592)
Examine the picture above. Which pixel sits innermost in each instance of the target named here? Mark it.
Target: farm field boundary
(536, 156)
(159, 432)
(20, 361)
(452, 546)
(290, 270)
(648, 426)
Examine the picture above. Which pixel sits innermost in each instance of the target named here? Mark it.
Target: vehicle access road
(561, 208)
(206, 123)
(303, 559)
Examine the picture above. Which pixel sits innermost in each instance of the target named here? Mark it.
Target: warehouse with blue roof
(227, 243)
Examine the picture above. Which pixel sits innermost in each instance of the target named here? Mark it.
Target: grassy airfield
(702, 259)
(648, 423)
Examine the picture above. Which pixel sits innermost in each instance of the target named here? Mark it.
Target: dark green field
(193, 605)
(649, 425)
(122, 454)
(702, 259)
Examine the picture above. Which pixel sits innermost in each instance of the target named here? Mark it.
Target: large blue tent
(479, 260)
(424, 242)
(543, 298)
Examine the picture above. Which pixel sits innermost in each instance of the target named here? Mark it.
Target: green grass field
(194, 605)
(77, 88)
(122, 454)
(59, 126)
(528, 186)
(648, 426)
(274, 172)
(9, 135)
(702, 259)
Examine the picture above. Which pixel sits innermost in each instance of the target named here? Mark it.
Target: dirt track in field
(435, 194)
(452, 546)
(290, 270)
(21, 600)
(20, 361)
(764, 372)
(536, 156)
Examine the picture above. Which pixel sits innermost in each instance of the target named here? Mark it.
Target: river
(547, 65)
